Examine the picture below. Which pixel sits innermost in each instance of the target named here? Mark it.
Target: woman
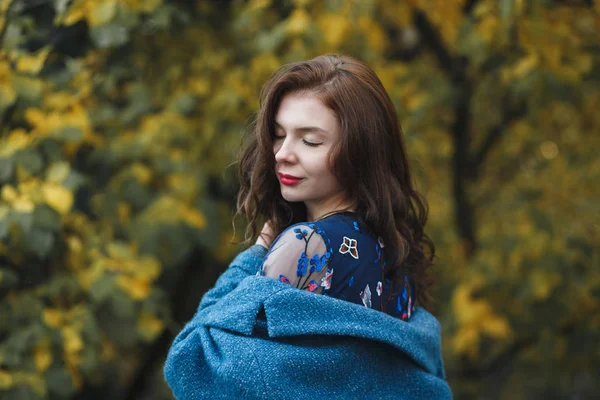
(329, 307)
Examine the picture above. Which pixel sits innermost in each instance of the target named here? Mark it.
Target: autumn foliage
(121, 118)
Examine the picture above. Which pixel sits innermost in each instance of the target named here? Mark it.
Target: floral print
(365, 296)
(349, 246)
(326, 280)
(302, 256)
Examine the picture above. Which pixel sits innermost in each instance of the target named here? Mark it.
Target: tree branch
(510, 114)
(456, 68)
(432, 39)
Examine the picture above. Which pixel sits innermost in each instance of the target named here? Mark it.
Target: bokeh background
(120, 121)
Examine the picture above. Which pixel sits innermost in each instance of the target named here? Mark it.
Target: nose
(284, 151)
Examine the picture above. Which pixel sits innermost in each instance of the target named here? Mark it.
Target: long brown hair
(369, 161)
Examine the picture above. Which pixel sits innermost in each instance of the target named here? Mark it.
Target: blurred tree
(119, 119)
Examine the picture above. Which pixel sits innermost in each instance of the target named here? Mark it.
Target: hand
(266, 235)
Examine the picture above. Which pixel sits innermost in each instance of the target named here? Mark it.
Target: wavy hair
(369, 161)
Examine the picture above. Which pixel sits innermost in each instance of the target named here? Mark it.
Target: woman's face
(305, 131)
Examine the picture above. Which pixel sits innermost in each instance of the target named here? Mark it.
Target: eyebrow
(305, 129)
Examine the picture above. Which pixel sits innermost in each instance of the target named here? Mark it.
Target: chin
(289, 197)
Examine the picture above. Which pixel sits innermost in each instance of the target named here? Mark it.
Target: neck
(313, 215)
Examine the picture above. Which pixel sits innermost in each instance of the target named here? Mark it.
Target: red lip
(289, 180)
(289, 176)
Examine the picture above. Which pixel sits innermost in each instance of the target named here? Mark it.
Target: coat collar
(292, 312)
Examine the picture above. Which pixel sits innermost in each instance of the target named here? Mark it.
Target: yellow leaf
(59, 101)
(141, 173)
(6, 380)
(74, 14)
(334, 28)
(9, 193)
(256, 5)
(87, 277)
(42, 357)
(7, 96)
(200, 86)
(24, 205)
(193, 217)
(149, 326)
(543, 282)
(57, 197)
(124, 212)
(298, 21)
(72, 340)
(148, 268)
(400, 12)
(17, 139)
(35, 117)
(75, 244)
(58, 172)
(136, 288)
(52, 317)
(496, 326)
(73, 361)
(102, 13)
(185, 186)
(142, 5)
(108, 351)
(525, 65)
(119, 250)
(416, 100)
(373, 33)
(466, 341)
(525, 227)
(33, 64)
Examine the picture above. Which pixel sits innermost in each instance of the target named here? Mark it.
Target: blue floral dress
(337, 257)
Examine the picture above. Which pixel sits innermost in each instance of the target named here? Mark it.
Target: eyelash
(303, 141)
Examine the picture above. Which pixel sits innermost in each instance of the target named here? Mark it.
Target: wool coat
(254, 337)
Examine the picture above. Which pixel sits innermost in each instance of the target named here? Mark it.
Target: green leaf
(30, 159)
(102, 289)
(29, 90)
(4, 221)
(8, 279)
(69, 134)
(47, 218)
(184, 104)
(7, 98)
(122, 306)
(209, 238)
(59, 381)
(122, 332)
(23, 220)
(109, 35)
(40, 242)
(21, 392)
(20, 343)
(7, 167)
(541, 220)
(51, 150)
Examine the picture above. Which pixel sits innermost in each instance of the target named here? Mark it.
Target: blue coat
(254, 337)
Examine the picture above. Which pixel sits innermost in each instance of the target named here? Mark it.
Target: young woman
(328, 308)
(326, 156)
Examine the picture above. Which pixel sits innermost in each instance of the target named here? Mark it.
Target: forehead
(298, 110)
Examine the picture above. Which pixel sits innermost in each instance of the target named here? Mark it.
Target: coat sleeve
(247, 263)
(299, 257)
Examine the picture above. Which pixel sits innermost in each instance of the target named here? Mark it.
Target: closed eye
(311, 144)
(303, 141)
